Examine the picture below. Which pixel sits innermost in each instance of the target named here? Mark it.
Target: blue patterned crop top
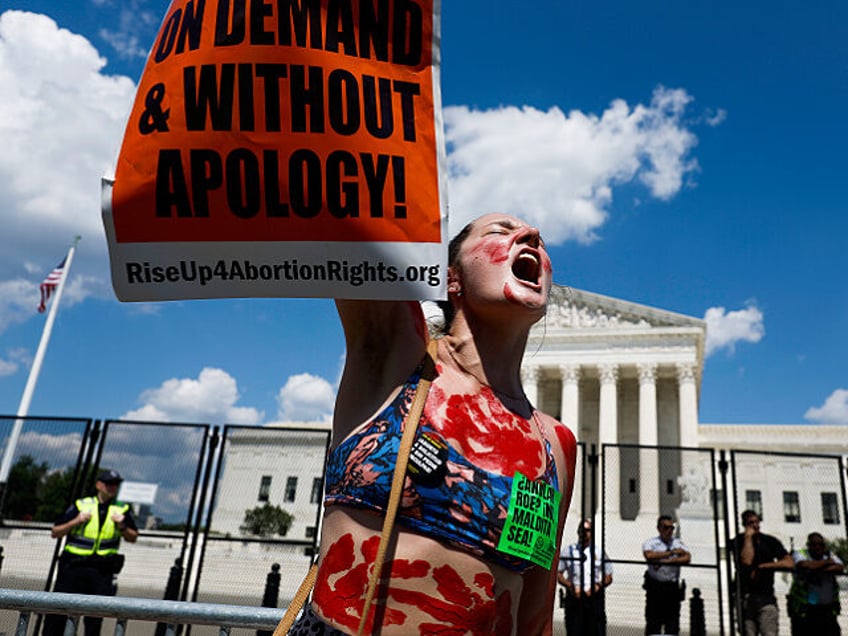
(446, 497)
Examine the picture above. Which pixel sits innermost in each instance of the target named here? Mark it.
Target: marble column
(608, 434)
(688, 403)
(649, 460)
(570, 416)
(570, 411)
(530, 382)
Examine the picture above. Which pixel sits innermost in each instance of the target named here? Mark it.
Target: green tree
(54, 495)
(840, 548)
(266, 521)
(180, 526)
(21, 499)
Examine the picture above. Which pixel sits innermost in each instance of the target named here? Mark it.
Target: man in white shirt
(814, 596)
(585, 571)
(664, 554)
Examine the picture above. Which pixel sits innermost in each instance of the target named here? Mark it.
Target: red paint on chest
(489, 435)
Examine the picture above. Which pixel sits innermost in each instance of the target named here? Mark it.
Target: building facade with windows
(788, 474)
(276, 466)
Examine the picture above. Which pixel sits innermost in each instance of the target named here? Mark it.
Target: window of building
(265, 488)
(791, 507)
(754, 501)
(317, 490)
(291, 489)
(669, 486)
(310, 532)
(830, 508)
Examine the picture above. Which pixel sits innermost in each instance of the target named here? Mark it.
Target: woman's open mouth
(526, 268)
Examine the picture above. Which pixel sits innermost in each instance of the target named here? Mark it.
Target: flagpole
(29, 389)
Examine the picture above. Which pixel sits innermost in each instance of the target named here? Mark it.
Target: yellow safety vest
(88, 539)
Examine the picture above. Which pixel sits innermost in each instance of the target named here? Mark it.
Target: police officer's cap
(110, 477)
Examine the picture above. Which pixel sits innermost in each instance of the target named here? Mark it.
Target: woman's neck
(495, 366)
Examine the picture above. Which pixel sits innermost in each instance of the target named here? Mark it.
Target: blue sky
(678, 155)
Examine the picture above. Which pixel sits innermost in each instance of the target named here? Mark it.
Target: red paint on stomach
(455, 609)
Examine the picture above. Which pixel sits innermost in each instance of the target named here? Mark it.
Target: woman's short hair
(454, 248)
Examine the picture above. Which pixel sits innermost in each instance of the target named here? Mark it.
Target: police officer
(664, 554)
(94, 527)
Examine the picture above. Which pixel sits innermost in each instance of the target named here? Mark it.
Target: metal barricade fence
(123, 610)
(794, 494)
(637, 484)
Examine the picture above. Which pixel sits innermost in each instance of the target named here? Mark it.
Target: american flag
(50, 284)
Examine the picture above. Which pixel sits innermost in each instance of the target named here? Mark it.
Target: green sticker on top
(530, 531)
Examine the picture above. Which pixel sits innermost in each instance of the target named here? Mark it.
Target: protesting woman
(487, 472)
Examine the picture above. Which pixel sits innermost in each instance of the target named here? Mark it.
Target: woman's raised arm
(385, 341)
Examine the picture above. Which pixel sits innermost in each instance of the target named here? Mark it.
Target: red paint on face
(493, 251)
(487, 434)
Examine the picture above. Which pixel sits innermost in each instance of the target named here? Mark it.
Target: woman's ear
(454, 286)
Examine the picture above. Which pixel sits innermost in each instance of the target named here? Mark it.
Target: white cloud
(18, 301)
(715, 117)
(558, 170)
(127, 45)
(7, 367)
(16, 358)
(61, 122)
(833, 411)
(725, 329)
(135, 23)
(211, 398)
(19, 298)
(306, 398)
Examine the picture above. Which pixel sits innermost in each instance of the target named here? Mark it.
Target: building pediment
(570, 308)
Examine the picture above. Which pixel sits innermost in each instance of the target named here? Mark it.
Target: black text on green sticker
(530, 531)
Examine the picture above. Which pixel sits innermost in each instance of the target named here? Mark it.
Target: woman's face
(503, 259)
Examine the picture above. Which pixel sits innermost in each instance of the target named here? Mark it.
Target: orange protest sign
(290, 121)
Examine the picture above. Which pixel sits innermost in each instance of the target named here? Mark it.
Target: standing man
(584, 571)
(664, 554)
(758, 556)
(814, 596)
(90, 562)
